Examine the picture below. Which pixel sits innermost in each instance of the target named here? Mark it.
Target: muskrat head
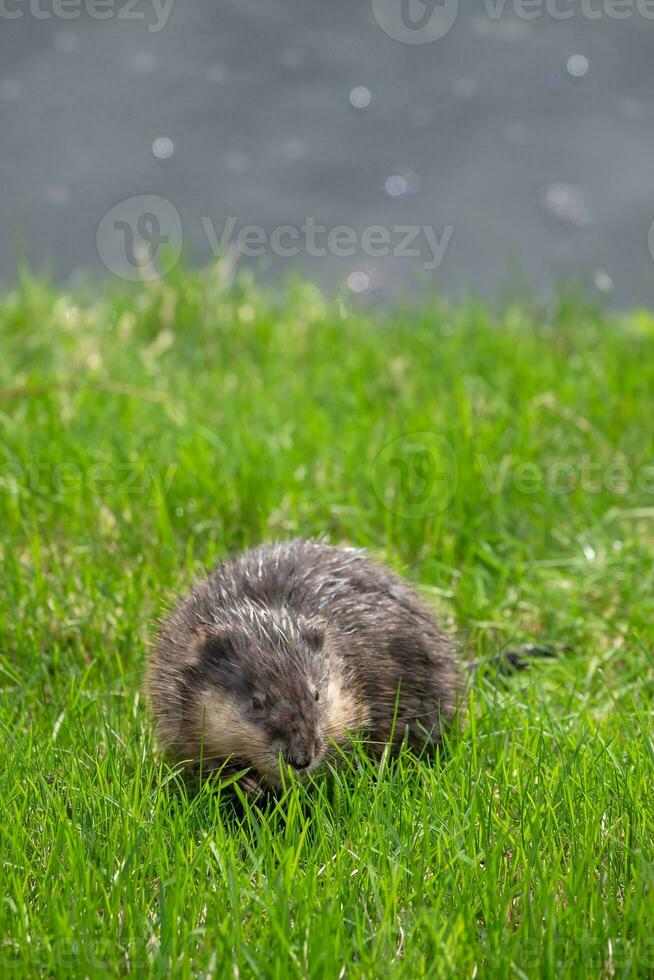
(264, 683)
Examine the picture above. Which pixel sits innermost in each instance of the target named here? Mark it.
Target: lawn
(147, 433)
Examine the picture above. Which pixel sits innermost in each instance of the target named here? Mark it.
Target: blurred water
(530, 140)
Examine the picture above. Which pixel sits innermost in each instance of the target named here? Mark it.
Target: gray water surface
(527, 166)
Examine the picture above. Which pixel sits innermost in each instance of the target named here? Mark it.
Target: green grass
(144, 435)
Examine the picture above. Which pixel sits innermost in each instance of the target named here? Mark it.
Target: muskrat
(292, 649)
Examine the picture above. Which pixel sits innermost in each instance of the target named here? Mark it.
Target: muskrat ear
(313, 632)
(216, 642)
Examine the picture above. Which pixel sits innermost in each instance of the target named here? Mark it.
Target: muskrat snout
(300, 760)
(304, 751)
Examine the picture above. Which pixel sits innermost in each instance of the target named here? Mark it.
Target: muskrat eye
(257, 703)
(316, 696)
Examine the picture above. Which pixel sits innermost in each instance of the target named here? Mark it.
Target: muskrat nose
(300, 760)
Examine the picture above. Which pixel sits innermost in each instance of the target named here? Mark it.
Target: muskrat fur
(291, 649)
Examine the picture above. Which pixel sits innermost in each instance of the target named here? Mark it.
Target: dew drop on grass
(578, 65)
(163, 147)
(360, 97)
(603, 281)
(396, 185)
(567, 204)
(358, 281)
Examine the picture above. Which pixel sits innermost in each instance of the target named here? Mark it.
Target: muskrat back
(291, 649)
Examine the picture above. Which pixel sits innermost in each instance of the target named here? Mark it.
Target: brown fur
(291, 648)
